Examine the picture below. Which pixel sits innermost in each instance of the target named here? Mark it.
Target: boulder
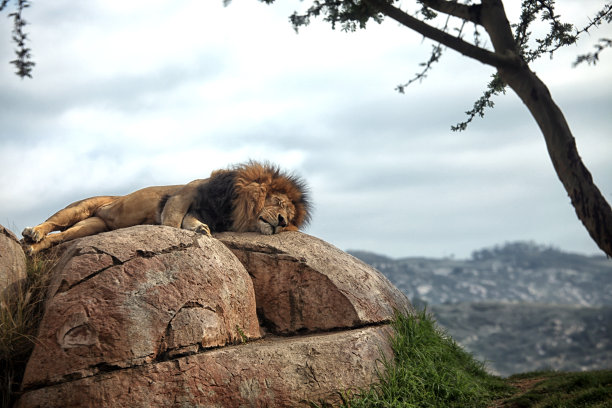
(279, 372)
(303, 284)
(12, 260)
(133, 296)
(157, 316)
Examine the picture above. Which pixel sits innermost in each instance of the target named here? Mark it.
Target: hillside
(516, 272)
(516, 338)
(520, 307)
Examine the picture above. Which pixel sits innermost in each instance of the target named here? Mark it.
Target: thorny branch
(23, 62)
(436, 53)
(495, 87)
(561, 34)
(593, 57)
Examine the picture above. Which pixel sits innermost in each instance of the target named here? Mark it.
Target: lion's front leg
(191, 223)
(176, 207)
(36, 234)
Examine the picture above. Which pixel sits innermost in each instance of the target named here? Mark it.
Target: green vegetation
(591, 389)
(20, 309)
(429, 370)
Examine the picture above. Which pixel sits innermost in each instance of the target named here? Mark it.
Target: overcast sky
(131, 94)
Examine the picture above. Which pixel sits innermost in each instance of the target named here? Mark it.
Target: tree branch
(463, 11)
(455, 43)
(436, 53)
(593, 57)
(23, 62)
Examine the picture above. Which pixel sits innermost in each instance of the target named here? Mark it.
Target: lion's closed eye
(280, 202)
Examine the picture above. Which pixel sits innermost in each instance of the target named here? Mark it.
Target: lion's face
(277, 214)
(266, 200)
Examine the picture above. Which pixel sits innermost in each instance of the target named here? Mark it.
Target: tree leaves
(495, 87)
(593, 57)
(23, 62)
(354, 14)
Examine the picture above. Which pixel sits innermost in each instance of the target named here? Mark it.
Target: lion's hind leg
(88, 226)
(66, 217)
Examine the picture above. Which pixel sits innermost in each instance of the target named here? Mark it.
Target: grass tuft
(429, 370)
(20, 314)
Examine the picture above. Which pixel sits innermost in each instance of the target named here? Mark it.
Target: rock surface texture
(303, 284)
(12, 260)
(157, 316)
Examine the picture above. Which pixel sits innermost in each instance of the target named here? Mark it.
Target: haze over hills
(519, 306)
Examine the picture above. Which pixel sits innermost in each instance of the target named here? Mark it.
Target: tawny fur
(258, 197)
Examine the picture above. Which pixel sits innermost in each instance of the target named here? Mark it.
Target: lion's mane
(233, 198)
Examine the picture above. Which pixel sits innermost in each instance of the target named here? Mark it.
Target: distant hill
(514, 272)
(515, 338)
(519, 306)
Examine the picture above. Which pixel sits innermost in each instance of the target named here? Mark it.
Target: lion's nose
(281, 221)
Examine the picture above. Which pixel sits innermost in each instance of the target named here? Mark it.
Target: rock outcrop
(138, 295)
(157, 316)
(283, 372)
(303, 284)
(12, 260)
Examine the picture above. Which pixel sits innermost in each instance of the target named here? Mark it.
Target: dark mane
(231, 199)
(213, 202)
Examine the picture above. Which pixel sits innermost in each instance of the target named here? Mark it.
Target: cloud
(129, 95)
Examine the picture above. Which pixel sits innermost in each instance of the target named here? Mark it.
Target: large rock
(12, 260)
(133, 296)
(156, 316)
(285, 372)
(304, 284)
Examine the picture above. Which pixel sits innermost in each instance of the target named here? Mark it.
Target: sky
(126, 95)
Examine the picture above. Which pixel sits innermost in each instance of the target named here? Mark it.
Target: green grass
(20, 311)
(592, 389)
(429, 370)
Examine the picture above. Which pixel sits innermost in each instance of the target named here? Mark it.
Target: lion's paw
(32, 234)
(203, 229)
(265, 228)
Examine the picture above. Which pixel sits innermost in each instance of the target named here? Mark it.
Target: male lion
(246, 197)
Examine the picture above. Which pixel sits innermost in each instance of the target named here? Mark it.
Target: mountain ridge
(519, 272)
(519, 306)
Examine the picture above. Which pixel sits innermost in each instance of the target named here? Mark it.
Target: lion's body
(248, 197)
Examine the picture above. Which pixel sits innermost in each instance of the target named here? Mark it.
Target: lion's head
(267, 200)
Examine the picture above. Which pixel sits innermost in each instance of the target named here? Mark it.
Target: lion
(248, 197)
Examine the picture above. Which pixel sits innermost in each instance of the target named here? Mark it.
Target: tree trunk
(590, 205)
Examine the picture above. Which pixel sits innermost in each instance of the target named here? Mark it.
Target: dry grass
(20, 314)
